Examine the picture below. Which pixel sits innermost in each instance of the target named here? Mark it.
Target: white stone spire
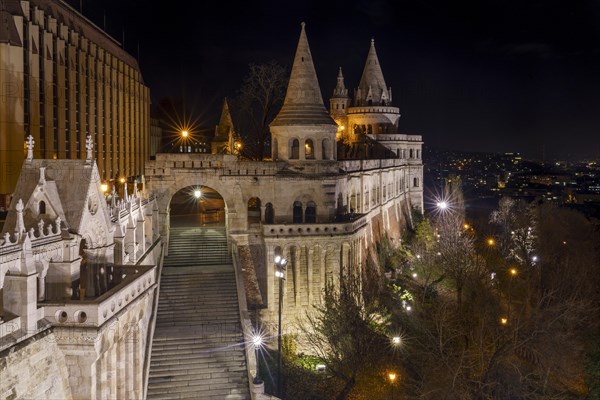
(340, 88)
(372, 89)
(303, 104)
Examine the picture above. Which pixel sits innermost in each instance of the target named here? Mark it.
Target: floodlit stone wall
(34, 369)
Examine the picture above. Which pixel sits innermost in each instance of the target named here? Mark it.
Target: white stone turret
(372, 89)
(303, 130)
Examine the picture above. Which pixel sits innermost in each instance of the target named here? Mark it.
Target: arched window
(254, 210)
(269, 214)
(42, 207)
(411, 153)
(297, 212)
(309, 150)
(275, 151)
(416, 182)
(326, 149)
(398, 153)
(418, 154)
(310, 217)
(295, 150)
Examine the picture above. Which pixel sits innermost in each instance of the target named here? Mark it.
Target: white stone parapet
(318, 229)
(95, 312)
(374, 109)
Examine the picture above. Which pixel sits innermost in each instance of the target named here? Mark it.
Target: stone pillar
(296, 273)
(130, 340)
(323, 272)
(120, 250)
(130, 242)
(309, 273)
(272, 280)
(138, 362)
(140, 236)
(111, 371)
(60, 278)
(20, 298)
(120, 366)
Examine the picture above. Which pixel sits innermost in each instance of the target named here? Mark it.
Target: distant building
(63, 78)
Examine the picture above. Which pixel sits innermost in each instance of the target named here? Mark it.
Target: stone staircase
(195, 246)
(198, 349)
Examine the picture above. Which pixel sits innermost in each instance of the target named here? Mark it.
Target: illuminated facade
(63, 78)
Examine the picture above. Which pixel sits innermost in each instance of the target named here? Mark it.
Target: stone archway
(196, 206)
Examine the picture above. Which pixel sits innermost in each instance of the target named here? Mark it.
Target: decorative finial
(20, 227)
(89, 146)
(30, 143)
(372, 41)
(302, 24)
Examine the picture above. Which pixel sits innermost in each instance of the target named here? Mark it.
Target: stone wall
(34, 369)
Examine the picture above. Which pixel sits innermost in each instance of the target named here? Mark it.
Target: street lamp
(442, 205)
(392, 378)
(257, 342)
(184, 134)
(280, 264)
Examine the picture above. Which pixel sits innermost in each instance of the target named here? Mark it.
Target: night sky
(502, 76)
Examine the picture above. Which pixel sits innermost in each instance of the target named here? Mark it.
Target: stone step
(198, 346)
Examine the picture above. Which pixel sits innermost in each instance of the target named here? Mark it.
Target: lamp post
(280, 264)
(257, 341)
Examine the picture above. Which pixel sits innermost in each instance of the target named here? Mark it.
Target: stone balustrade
(317, 229)
(95, 312)
(373, 109)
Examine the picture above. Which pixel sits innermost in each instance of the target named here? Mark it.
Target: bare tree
(258, 102)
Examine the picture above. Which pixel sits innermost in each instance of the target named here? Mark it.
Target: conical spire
(225, 125)
(303, 104)
(340, 88)
(372, 88)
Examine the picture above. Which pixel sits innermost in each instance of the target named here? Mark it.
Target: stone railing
(317, 229)
(373, 109)
(95, 312)
(386, 137)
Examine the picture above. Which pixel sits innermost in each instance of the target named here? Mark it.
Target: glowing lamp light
(466, 226)
(414, 275)
(491, 241)
(279, 274)
(392, 376)
(442, 205)
(396, 340)
(197, 193)
(184, 134)
(320, 368)
(122, 180)
(104, 188)
(257, 341)
(513, 271)
(504, 320)
(534, 258)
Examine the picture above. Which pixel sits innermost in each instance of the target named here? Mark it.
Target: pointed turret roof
(225, 125)
(303, 104)
(372, 84)
(340, 90)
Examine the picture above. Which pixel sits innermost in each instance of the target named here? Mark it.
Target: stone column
(121, 367)
(20, 298)
(272, 280)
(130, 342)
(309, 273)
(296, 273)
(323, 272)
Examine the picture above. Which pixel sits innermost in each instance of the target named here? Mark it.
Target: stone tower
(338, 105)
(303, 129)
(372, 114)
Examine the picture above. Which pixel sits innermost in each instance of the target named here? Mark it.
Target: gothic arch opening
(294, 149)
(197, 206)
(254, 211)
(198, 228)
(297, 212)
(269, 214)
(309, 150)
(42, 207)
